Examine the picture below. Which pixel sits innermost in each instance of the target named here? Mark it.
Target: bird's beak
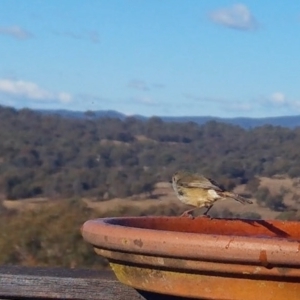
(170, 181)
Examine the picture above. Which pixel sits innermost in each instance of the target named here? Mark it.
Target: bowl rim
(108, 233)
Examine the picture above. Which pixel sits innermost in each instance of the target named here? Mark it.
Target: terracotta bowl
(202, 258)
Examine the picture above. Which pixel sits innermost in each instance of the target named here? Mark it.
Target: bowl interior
(236, 227)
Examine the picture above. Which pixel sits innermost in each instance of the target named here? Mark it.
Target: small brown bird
(199, 191)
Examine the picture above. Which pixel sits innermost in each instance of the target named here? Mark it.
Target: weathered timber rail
(57, 283)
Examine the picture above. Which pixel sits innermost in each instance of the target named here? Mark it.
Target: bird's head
(177, 176)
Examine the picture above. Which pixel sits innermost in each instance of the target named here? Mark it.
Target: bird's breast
(195, 197)
(212, 194)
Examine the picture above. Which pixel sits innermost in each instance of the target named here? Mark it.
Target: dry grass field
(165, 202)
(36, 231)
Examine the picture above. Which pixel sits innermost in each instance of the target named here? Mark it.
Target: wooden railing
(57, 283)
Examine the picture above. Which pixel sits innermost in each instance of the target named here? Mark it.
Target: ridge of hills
(244, 122)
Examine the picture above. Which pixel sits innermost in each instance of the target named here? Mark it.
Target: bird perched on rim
(196, 190)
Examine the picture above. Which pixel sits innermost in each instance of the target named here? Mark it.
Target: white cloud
(159, 85)
(31, 91)
(278, 98)
(237, 16)
(296, 104)
(239, 107)
(23, 88)
(64, 97)
(138, 85)
(141, 85)
(190, 96)
(92, 36)
(15, 32)
(147, 100)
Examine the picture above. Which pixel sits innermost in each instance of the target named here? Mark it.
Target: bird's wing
(200, 182)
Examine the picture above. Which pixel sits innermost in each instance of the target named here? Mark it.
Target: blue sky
(171, 57)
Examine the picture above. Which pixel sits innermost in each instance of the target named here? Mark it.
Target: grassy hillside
(55, 157)
(46, 232)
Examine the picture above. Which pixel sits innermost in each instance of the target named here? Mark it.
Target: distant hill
(82, 115)
(247, 123)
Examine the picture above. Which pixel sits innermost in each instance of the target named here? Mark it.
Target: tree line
(57, 157)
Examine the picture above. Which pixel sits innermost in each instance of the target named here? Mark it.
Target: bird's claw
(187, 214)
(205, 216)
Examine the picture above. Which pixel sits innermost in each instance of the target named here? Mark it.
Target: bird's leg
(188, 213)
(208, 209)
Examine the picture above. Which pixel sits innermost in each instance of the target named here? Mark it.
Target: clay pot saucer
(202, 258)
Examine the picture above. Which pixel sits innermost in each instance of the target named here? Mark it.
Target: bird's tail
(237, 197)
